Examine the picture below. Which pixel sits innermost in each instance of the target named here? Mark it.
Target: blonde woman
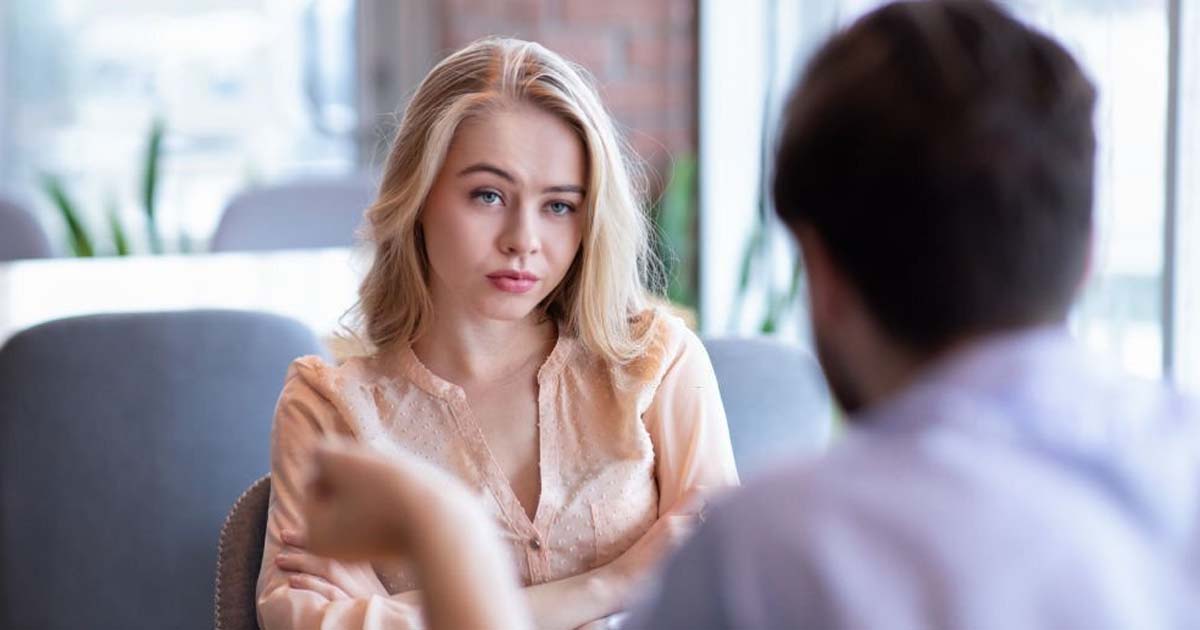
(513, 347)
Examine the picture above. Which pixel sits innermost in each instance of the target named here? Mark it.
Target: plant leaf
(119, 236)
(150, 176)
(77, 235)
(797, 278)
(675, 231)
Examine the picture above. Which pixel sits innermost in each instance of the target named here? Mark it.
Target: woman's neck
(465, 351)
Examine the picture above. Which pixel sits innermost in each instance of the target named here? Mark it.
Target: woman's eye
(488, 197)
(560, 208)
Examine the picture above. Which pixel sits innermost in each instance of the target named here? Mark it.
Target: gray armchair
(239, 557)
(298, 215)
(775, 399)
(20, 234)
(123, 440)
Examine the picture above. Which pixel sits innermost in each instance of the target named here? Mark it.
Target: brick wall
(642, 53)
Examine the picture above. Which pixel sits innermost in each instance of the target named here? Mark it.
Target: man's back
(1013, 486)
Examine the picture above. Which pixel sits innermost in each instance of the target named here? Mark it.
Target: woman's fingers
(306, 582)
(351, 581)
(300, 562)
(293, 538)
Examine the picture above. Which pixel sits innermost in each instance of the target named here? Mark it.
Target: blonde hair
(605, 288)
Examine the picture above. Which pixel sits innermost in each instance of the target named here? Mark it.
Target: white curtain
(1186, 133)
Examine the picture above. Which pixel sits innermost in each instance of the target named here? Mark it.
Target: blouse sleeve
(305, 414)
(686, 422)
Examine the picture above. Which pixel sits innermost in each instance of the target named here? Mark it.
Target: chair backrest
(775, 399)
(239, 556)
(298, 215)
(123, 441)
(20, 234)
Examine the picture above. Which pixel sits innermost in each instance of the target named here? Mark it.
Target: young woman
(513, 347)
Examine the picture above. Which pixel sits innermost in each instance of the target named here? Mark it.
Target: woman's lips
(513, 281)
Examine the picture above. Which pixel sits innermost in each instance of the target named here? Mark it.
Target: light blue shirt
(1016, 485)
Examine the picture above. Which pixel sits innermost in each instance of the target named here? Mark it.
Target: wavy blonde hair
(606, 287)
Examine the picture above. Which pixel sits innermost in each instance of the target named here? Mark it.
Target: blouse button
(535, 544)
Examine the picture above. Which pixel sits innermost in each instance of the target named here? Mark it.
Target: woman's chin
(507, 309)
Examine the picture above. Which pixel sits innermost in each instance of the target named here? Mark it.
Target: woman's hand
(332, 579)
(667, 533)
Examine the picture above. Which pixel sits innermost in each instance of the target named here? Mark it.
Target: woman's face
(504, 219)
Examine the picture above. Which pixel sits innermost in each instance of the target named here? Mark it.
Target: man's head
(936, 163)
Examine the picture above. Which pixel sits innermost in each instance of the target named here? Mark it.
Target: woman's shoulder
(312, 373)
(666, 325)
(668, 339)
(339, 396)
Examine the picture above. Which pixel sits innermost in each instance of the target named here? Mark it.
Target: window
(1125, 46)
(248, 91)
(1183, 168)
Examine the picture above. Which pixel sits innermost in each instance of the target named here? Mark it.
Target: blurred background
(174, 152)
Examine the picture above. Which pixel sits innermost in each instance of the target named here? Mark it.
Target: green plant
(758, 268)
(77, 235)
(79, 238)
(150, 184)
(675, 217)
(120, 239)
(675, 226)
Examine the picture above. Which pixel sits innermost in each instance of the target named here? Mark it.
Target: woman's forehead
(533, 146)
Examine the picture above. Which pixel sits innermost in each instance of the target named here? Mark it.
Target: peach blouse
(618, 447)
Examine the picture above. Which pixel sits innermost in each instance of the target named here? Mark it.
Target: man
(936, 167)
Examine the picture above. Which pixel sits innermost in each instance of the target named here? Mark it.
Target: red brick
(682, 11)
(624, 12)
(592, 50)
(464, 31)
(514, 11)
(662, 55)
(677, 97)
(648, 52)
(643, 52)
(636, 96)
(652, 138)
(679, 142)
(648, 97)
(654, 153)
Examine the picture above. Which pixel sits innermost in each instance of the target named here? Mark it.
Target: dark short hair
(944, 152)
